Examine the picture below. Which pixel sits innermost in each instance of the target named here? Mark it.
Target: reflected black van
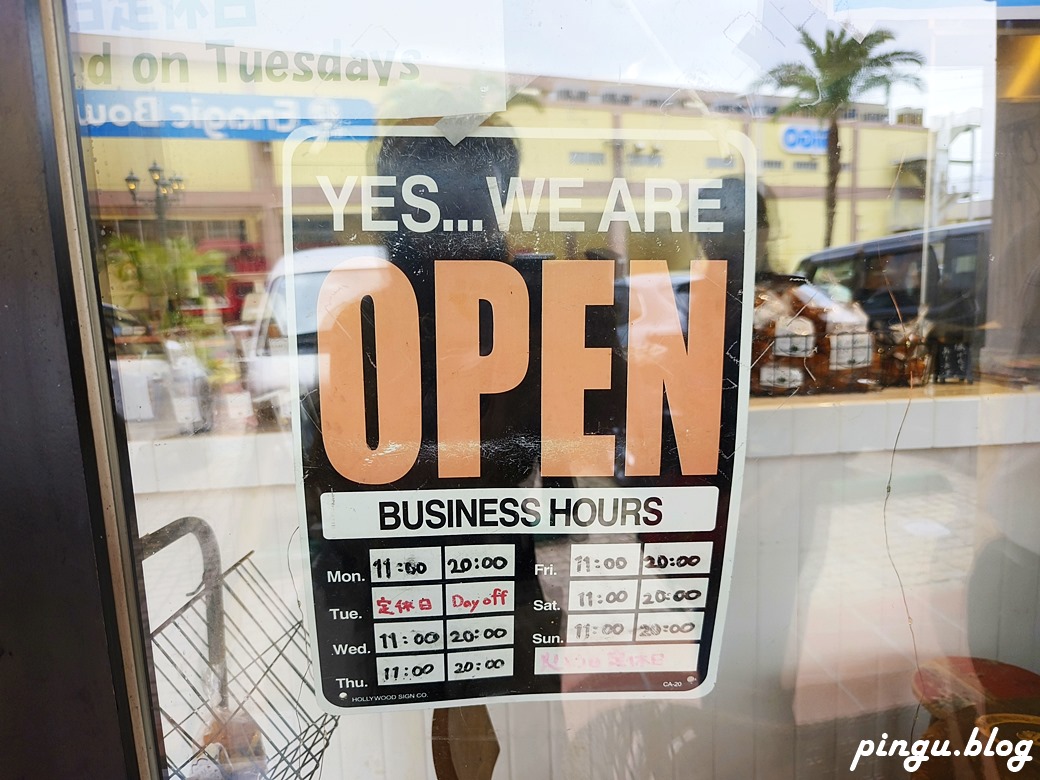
(888, 277)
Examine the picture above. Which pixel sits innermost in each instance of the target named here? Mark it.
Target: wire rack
(232, 676)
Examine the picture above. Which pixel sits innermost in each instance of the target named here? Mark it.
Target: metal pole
(212, 584)
(160, 213)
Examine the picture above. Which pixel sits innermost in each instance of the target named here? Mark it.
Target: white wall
(836, 596)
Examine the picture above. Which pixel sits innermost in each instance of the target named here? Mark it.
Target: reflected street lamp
(167, 190)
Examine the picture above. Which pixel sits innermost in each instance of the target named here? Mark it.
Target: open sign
(518, 410)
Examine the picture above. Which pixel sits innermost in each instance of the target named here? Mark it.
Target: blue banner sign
(903, 5)
(120, 114)
(804, 140)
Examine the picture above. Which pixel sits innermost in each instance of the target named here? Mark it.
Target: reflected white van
(267, 359)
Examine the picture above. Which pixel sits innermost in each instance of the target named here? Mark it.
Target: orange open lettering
(463, 374)
(662, 363)
(341, 379)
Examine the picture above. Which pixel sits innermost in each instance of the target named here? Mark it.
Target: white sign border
(738, 141)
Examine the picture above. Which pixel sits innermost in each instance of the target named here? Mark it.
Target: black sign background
(510, 436)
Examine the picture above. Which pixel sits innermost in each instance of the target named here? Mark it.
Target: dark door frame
(63, 687)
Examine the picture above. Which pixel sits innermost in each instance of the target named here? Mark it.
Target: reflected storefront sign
(122, 114)
(804, 140)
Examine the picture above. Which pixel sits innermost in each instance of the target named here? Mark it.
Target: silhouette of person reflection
(461, 226)
(455, 178)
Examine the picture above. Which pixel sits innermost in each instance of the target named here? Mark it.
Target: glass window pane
(659, 382)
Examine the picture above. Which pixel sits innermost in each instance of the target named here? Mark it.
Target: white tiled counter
(930, 417)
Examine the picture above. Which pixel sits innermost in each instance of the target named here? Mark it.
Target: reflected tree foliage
(842, 70)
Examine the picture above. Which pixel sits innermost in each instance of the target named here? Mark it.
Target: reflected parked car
(888, 278)
(268, 359)
(161, 388)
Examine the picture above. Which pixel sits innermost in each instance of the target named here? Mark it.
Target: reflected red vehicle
(246, 272)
